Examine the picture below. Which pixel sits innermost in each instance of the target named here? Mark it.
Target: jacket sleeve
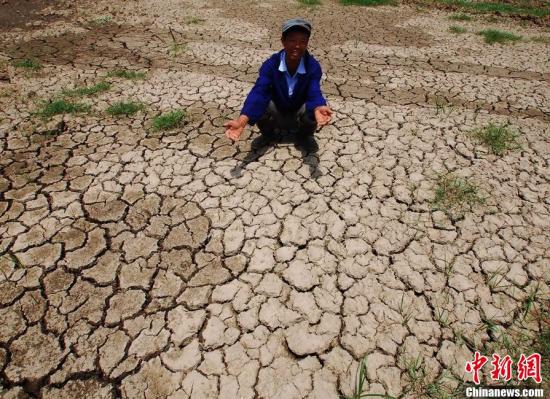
(258, 99)
(314, 96)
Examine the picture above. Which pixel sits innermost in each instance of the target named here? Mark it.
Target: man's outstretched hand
(235, 127)
(323, 115)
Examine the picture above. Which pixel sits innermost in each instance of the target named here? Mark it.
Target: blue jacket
(272, 85)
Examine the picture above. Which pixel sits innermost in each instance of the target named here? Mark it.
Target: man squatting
(287, 92)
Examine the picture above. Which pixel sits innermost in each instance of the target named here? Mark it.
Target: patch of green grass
(123, 73)
(443, 106)
(125, 108)
(195, 20)
(406, 314)
(530, 302)
(453, 193)
(460, 17)
(369, 3)
(500, 7)
(87, 91)
(416, 370)
(103, 19)
(498, 36)
(28, 63)
(498, 138)
(457, 29)
(310, 2)
(60, 106)
(360, 379)
(177, 49)
(168, 120)
(5, 93)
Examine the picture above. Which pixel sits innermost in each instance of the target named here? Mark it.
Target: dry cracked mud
(143, 264)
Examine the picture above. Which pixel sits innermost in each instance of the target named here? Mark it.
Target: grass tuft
(499, 138)
(453, 192)
(460, 17)
(369, 3)
(310, 2)
(87, 91)
(28, 63)
(123, 73)
(59, 106)
(500, 7)
(125, 108)
(457, 29)
(169, 120)
(360, 379)
(15, 260)
(103, 19)
(195, 20)
(177, 49)
(497, 36)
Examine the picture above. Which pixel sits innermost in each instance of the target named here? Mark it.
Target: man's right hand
(235, 127)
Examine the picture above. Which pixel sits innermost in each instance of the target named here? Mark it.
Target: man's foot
(307, 143)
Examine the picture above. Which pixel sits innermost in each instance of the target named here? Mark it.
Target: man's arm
(315, 102)
(255, 104)
(235, 127)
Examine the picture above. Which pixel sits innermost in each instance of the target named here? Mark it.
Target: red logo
(501, 368)
(527, 367)
(476, 365)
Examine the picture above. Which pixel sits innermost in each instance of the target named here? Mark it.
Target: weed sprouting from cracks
(168, 120)
(496, 36)
(28, 63)
(86, 91)
(60, 106)
(457, 29)
(126, 74)
(454, 193)
(125, 108)
(498, 138)
(360, 379)
(369, 3)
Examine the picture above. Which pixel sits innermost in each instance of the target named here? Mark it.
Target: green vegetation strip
(123, 73)
(125, 108)
(497, 36)
(57, 107)
(169, 120)
(457, 29)
(370, 3)
(28, 63)
(453, 192)
(310, 2)
(86, 91)
(503, 8)
(498, 138)
(460, 17)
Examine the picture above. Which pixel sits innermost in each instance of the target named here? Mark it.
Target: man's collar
(282, 65)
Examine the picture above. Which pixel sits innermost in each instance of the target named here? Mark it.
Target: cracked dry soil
(175, 265)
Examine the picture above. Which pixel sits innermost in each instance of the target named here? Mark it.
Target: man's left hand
(323, 115)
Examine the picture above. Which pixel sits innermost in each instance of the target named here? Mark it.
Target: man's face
(295, 45)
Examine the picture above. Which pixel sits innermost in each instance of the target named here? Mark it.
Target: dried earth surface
(145, 264)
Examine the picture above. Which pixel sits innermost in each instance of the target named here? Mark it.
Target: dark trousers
(300, 123)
